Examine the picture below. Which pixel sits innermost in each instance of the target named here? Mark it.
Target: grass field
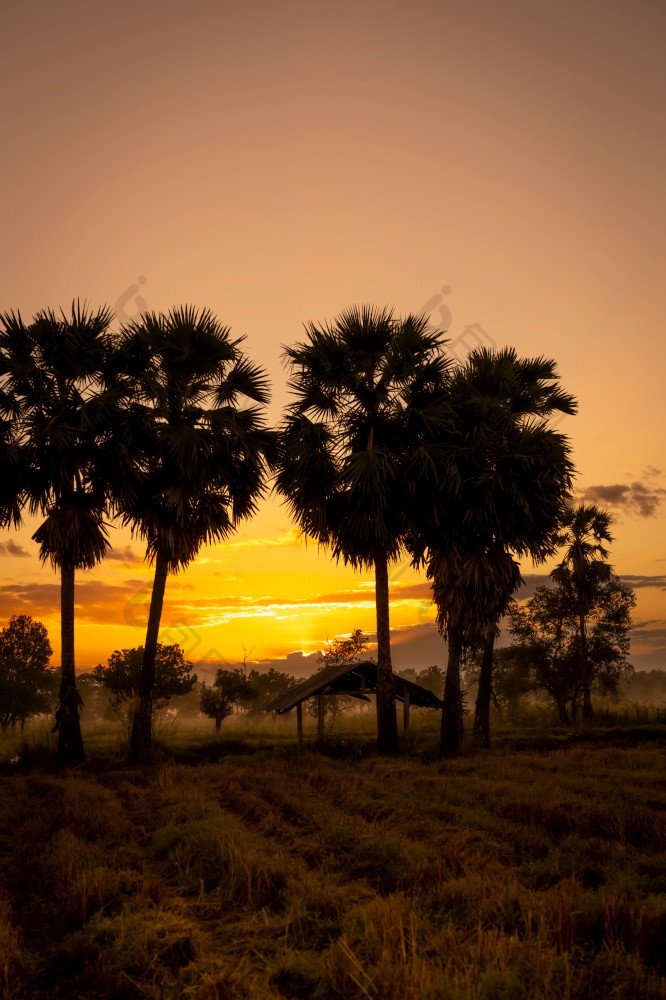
(519, 873)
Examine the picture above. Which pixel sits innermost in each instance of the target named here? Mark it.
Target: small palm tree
(200, 461)
(503, 486)
(585, 530)
(349, 448)
(52, 372)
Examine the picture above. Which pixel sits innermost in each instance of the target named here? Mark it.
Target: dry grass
(499, 876)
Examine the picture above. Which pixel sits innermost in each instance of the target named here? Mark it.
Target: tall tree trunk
(452, 714)
(70, 742)
(387, 723)
(562, 713)
(588, 711)
(141, 740)
(482, 708)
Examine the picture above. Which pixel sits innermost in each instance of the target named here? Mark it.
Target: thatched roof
(354, 679)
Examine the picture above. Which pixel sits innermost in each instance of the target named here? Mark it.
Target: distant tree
(512, 678)
(431, 677)
(585, 530)
(95, 696)
(268, 685)
(338, 651)
(122, 675)
(646, 686)
(230, 687)
(27, 683)
(547, 631)
(344, 650)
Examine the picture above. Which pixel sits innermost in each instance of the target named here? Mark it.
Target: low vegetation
(534, 872)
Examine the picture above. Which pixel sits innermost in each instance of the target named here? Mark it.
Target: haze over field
(499, 166)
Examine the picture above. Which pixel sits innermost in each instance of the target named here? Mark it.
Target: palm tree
(502, 490)
(200, 461)
(472, 588)
(584, 530)
(364, 384)
(12, 455)
(52, 370)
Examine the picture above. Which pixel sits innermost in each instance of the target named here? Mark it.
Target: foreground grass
(269, 874)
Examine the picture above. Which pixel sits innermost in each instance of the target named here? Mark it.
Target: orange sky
(278, 163)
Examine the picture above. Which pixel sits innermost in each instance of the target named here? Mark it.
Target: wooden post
(320, 715)
(299, 724)
(405, 711)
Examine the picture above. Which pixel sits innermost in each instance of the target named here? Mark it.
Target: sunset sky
(500, 164)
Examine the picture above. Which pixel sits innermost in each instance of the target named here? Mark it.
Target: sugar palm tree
(12, 456)
(585, 530)
(502, 491)
(52, 371)
(200, 460)
(363, 385)
(472, 588)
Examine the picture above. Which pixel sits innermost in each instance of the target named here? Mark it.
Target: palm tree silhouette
(584, 530)
(349, 446)
(53, 370)
(12, 451)
(200, 461)
(503, 488)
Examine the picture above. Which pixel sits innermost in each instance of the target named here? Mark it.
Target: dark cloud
(10, 548)
(95, 601)
(652, 636)
(639, 582)
(530, 583)
(634, 498)
(124, 555)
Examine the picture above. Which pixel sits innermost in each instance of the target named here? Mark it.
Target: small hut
(356, 680)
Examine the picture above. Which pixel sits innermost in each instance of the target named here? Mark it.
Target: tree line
(28, 685)
(389, 448)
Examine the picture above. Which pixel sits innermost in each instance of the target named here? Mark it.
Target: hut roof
(354, 679)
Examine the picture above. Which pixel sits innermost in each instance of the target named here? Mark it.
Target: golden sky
(500, 162)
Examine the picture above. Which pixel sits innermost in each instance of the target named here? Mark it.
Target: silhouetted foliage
(96, 698)
(584, 531)
(27, 683)
(230, 687)
(548, 646)
(364, 386)
(53, 377)
(431, 677)
(338, 651)
(267, 685)
(200, 458)
(498, 493)
(122, 675)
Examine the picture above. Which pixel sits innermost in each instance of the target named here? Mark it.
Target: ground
(519, 873)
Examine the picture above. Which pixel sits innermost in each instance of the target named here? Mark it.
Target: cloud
(291, 537)
(125, 556)
(639, 582)
(650, 636)
(10, 548)
(95, 601)
(641, 499)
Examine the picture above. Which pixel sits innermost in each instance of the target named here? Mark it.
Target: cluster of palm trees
(145, 425)
(388, 447)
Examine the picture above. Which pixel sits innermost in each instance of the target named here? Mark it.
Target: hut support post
(320, 715)
(299, 724)
(405, 712)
